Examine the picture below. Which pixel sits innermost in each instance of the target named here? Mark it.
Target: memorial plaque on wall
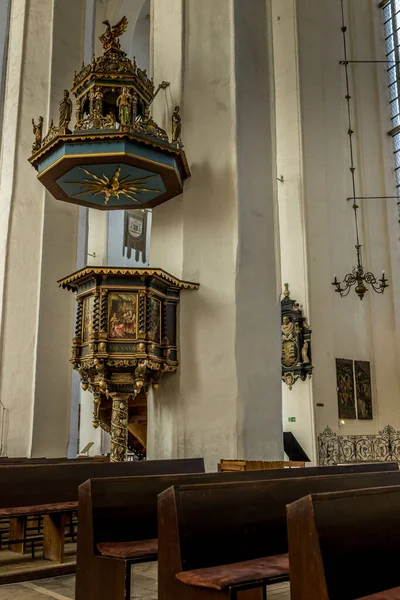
(345, 389)
(362, 372)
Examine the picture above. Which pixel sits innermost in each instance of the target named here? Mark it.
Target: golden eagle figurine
(110, 38)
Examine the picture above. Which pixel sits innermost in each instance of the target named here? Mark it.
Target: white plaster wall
(298, 402)
(346, 328)
(4, 25)
(15, 392)
(258, 342)
(39, 237)
(204, 410)
(50, 430)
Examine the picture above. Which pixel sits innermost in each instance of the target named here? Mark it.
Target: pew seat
(393, 594)
(145, 549)
(258, 572)
(38, 509)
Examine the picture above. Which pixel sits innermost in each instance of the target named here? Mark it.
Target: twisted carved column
(119, 427)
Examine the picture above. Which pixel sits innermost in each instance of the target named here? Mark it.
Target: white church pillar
(38, 233)
(225, 402)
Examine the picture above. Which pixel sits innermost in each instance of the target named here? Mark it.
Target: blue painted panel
(73, 184)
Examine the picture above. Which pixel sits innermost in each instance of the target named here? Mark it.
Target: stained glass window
(391, 17)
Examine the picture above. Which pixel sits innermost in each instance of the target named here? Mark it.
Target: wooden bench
(52, 491)
(216, 540)
(345, 545)
(4, 460)
(121, 512)
(252, 465)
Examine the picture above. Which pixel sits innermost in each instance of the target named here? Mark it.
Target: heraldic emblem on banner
(135, 234)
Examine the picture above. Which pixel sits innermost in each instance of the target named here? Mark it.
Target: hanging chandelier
(357, 277)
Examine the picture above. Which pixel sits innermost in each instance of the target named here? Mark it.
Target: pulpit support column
(119, 427)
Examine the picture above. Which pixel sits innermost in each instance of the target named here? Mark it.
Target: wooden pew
(4, 461)
(207, 532)
(124, 510)
(52, 490)
(345, 545)
(251, 465)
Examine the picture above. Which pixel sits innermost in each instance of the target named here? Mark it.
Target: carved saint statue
(304, 353)
(98, 100)
(78, 113)
(124, 103)
(287, 328)
(176, 125)
(65, 110)
(37, 132)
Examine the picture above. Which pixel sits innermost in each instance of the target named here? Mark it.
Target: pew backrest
(344, 545)
(26, 485)
(233, 522)
(125, 508)
(49, 461)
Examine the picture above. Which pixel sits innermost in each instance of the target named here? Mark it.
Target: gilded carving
(112, 187)
(296, 341)
(176, 125)
(124, 103)
(119, 427)
(37, 132)
(154, 332)
(114, 306)
(110, 37)
(65, 111)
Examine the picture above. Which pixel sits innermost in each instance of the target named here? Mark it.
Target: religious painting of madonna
(88, 306)
(345, 389)
(363, 387)
(122, 315)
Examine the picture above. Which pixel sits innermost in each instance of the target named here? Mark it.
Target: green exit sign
(292, 419)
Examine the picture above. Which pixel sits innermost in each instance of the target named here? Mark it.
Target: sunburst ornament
(113, 187)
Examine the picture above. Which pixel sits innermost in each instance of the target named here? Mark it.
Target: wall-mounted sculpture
(296, 341)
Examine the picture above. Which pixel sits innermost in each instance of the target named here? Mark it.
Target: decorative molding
(129, 271)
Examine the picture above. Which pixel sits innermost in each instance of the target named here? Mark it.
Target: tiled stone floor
(144, 587)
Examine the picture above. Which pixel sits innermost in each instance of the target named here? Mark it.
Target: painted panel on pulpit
(87, 327)
(122, 315)
(345, 389)
(362, 372)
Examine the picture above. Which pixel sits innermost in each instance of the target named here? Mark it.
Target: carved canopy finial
(110, 38)
(286, 292)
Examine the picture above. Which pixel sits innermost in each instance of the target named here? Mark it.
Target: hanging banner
(135, 234)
